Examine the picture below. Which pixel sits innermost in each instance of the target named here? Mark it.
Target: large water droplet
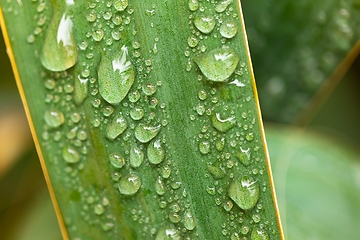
(136, 157)
(59, 51)
(116, 160)
(54, 118)
(144, 133)
(70, 154)
(168, 234)
(221, 6)
(259, 234)
(244, 192)
(116, 127)
(218, 64)
(223, 125)
(244, 156)
(205, 24)
(189, 220)
(155, 152)
(116, 76)
(228, 29)
(80, 89)
(160, 186)
(130, 184)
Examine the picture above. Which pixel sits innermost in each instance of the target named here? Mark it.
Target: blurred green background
(316, 167)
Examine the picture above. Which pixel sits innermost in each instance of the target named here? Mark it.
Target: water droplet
(228, 205)
(235, 236)
(136, 157)
(155, 152)
(59, 51)
(218, 64)
(54, 118)
(174, 217)
(137, 113)
(244, 230)
(259, 234)
(116, 76)
(70, 154)
(202, 94)
(217, 171)
(223, 125)
(144, 133)
(99, 209)
(160, 186)
(205, 24)
(116, 160)
(168, 234)
(116, 127)
(149, 89)
(244, 192)
(221, 6)
(220, 144)
(193, 41)
(193, 5)
(244, 156)
(228, 29)
(256, 218)
(204, 147)
(120, 5)
(189, 220)
(130, 184)
(165, 171)
(249, 136)
(80, 89)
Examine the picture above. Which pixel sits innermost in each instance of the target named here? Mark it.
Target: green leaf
(317, 184)
(298, 47)
(126, 136)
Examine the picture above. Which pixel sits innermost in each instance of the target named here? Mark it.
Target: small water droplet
(160, 186)
(220, 144)
(116, 127)
(204, 147)
(144, 133)
(204, 24)
(221, 6)
(59, 51)
(155, 152)
(218, 64)
(130, 184)
(120, 5)
(249, 136)
(70, 154)
(244, 230)
(235, 236)
(99, 209)
(136, 157)
(228, 29)
(165, 171)
(202, 94)
(223, 125)
(244, 156)
(259, 234)
(217, 171)
(116, 76)
(116, 160)
(80, 89)
(189, 220)
(193, 41)
(193, 5)
(168, 234)
(228, 205)
(149, 89)
(54, 118)
(137, 113)
(244, 192)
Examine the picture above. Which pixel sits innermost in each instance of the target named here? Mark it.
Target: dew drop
(193, 5)
(116, 160)
(116, 76)
(59, 51)
(244, 192)
(149, 89)
(204, 24)
(228, 29)
(235, 236)
(136, 157)
(165, 171)
(174, 217)
(120, 5)
(130, 184)
(259, 234)
(218, 64)
(223, 125)
(70, 154)
(204, 147)
(80, 89)
(168, 234)
(54, 118)
(221, 6)
(155, 152)
(193, 41)
(116, 127)
(189, 220)
(137, 113)
(244, 156)
(144, 133)
(228, 205)
(220, 144)
(217, 171)
(160, 186)
(99, 209)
